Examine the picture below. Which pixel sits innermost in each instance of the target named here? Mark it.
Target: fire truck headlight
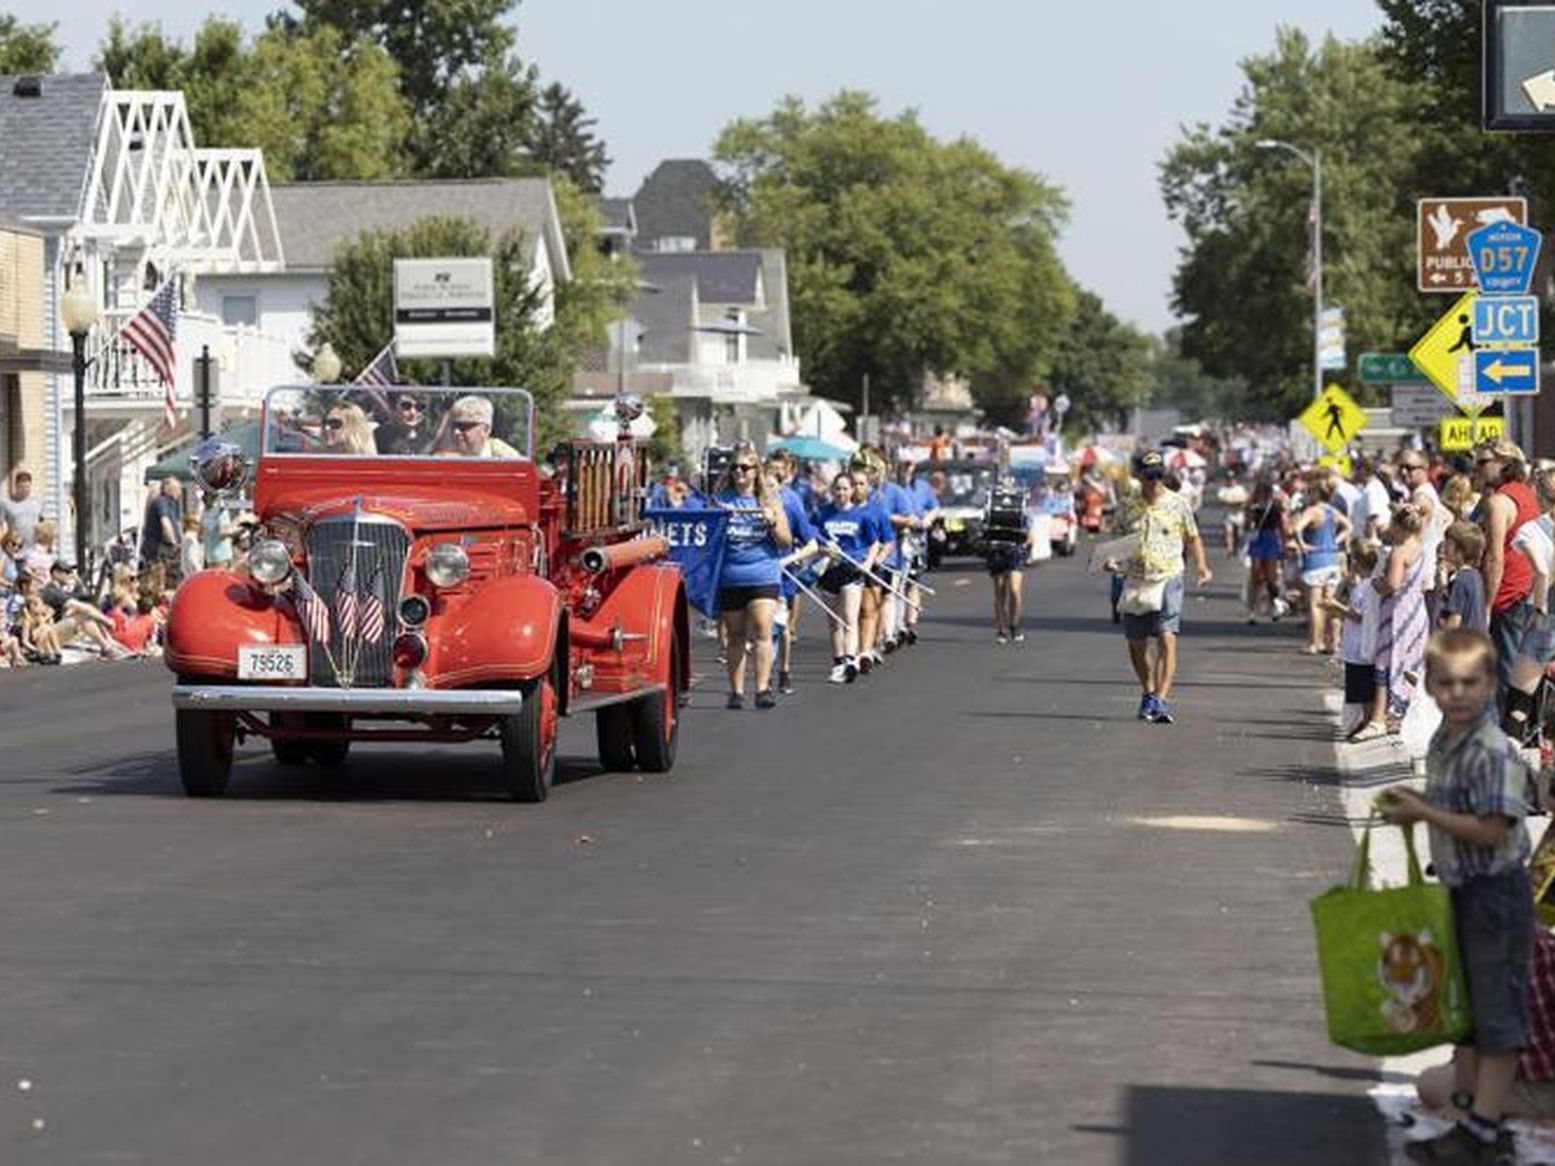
(269, 562)
(448, 565)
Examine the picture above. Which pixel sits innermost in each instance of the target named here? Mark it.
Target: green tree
(1243, 283)
(1102, 366)
(27, 48)
(562, 140)
(1179, 382)
(319, 106)
(482, 127)
(905, 254)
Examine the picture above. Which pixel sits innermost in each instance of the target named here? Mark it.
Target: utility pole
(863, 419)
(204, 365)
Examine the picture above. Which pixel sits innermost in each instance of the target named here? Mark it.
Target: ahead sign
(1442, 228)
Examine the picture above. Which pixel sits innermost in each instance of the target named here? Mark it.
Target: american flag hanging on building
(154, 331)
(383, 371)
(311, 610)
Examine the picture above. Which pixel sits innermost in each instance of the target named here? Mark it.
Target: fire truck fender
(213, 613)
(651, 601)
(508, 630)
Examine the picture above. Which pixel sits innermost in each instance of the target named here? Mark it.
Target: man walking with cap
(1153, 587)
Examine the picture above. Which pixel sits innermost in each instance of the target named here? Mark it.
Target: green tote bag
(1392, 979)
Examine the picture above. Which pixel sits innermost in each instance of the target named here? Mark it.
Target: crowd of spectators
(53, 612)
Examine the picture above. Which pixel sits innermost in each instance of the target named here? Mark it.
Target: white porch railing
(751, 382)
(250, 361)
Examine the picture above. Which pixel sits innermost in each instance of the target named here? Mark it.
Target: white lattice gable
(152, 190)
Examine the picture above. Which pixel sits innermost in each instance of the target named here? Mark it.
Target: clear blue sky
(1091, 95)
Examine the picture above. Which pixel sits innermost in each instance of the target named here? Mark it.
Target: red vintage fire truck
(445, 589)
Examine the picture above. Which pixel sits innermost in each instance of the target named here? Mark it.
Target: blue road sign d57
(1504, 255)
(1506, 370)
(1506, 320)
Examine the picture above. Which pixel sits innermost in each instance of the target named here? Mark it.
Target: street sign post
(1388, 368)
(1446, 354)
(1507, 370)
(1519, 66)
(1503, 255)
(1510, 320)
(1333, 418)
(1442, 228)
(1462, 433)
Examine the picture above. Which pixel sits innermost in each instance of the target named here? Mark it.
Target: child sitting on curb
(1474, 805)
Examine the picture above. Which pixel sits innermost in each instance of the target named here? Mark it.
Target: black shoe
(889, 646)
(735, 701)
(1457, 1146)
(865, 663)
(765, 699)
(785, 685)
(912, 636)
(1117, 616)
(849, 671)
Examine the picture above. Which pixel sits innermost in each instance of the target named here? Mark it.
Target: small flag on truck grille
(346, 600)
(311, 610)
(372, 611)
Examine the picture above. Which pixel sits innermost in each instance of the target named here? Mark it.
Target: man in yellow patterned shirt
(1154, 582)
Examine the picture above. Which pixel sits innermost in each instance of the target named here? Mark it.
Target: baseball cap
(62, 566)
(1151, 464)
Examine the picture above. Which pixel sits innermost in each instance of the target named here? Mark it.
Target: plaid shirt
(1483, 775)
(1537, 1061)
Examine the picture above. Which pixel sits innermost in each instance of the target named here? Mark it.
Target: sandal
(1370, 731)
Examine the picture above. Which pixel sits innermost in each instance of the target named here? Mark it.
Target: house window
(732, 339)
(10, 423)
(240, 310)
(675, 243)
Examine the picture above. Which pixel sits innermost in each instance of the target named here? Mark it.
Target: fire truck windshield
(405, 421)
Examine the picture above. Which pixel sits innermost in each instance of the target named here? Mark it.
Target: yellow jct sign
(1334, 419)
(1461, 433)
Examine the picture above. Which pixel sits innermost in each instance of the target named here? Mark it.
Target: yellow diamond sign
(1446, 355)
(1334, 419)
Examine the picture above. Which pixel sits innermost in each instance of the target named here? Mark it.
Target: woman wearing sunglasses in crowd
(847, 529)
(750, 587)
(346, 430)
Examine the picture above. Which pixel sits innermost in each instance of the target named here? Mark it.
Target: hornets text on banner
(696, 539)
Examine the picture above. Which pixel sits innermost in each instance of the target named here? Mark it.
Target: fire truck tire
(287, 752)
(656, 722)
(613, 730)
(529, 744)
(328, 752)
(204, 751)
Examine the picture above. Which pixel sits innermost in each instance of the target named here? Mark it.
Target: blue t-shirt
(1466, 598)
(896, 500)
(923, 495)
(752, 557)
(798, 517)
(854, 529)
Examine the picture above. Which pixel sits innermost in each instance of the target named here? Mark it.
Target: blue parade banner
(697, 542)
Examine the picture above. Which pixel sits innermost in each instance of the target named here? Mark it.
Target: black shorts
(838, 576)
(737, 598)
(1360, 683)
(1006, 557)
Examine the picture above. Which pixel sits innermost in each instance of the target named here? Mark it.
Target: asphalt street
(966, 911)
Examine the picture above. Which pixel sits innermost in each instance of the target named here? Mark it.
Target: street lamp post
(1315, 161)
(78, 312)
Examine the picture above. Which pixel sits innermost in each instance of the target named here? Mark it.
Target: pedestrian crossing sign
(1334, 419)
(1445, 354)
(1464, 433)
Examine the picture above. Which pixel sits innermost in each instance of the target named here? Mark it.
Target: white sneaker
(1280, 608)
(839, 674)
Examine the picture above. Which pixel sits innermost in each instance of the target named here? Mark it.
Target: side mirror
(219, 467)
(629, 407)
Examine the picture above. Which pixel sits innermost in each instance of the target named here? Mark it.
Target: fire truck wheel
(204, 751)
(613, 729)
(328, 752)
(287, 752)
(656, 722)
(529, 744)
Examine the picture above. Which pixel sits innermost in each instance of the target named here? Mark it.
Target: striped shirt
(1537, 1061)
(1480, 774)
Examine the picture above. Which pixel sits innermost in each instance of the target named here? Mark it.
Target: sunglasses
(410, 406)
(743, 467)
(334, 423)
(466, 426)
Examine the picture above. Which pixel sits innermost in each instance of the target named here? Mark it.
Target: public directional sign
(1446, 354)
(1388, 368)
(1506, 370)
(1519, 66)
(1333, 418)
(1506, 320)
(1442, 229)
(1461, 433)
(1503, 255)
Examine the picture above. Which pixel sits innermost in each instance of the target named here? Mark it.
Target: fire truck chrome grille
(356, 657)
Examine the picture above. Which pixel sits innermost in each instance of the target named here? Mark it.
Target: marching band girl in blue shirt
(750, 586)
(780, 468)
(852, 529)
